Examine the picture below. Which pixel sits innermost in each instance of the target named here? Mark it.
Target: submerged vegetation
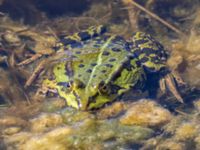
(29, 31)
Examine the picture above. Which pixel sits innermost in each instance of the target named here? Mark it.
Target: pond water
(32, 35)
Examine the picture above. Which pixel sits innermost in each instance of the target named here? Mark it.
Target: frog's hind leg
(150, 52)
(153, 57)
(47, 86)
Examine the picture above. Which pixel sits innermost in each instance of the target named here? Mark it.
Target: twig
(133, 13)
(29, 60)
(35, 73)
(52, 32)
(182, 113)
(156, 17)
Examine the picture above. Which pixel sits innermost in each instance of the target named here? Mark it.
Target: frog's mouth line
(78, 99)
(79, 103)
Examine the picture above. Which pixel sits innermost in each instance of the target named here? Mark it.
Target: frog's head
(83, 97)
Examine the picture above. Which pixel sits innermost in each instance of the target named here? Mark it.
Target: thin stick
(29, 60)
(35, 73)
(182, 113)
(52, 32)
(156, 17)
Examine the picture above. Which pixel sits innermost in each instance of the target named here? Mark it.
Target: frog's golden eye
(103, 88)
(77, 84)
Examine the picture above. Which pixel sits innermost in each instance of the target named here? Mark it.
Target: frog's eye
(103, 88)
(78, 84)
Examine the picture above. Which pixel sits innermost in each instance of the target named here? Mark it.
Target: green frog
(93, 68)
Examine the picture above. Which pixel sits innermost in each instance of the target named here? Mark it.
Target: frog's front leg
(132, 77)
(47, 86)
(153, 56)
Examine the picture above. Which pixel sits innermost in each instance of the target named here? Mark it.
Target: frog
(92, 67)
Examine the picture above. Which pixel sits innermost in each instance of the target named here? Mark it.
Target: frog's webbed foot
(170, 82)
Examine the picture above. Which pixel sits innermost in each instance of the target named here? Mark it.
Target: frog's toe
(170, 82)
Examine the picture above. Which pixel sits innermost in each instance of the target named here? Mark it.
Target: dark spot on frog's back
(93, 64)
(81, 65)
(112, 60)
(132, 57)
(102, 29)
(58, 68)
(73, 43)
(114, 49)
(78, 52)
(67, 41)
(127, 46)
(105, 53)
(142, 41)
(84, 35)
(128, 66)
(137, 52)
(138, 63)
(103, 71)
(118, 39)
(144, 59)
(73, 56)
(89, 70)
(56, 48)
(109, 65)
(149, 69)
(97, 45)
(155, 59)
(148, 51)
(115, 89)
(99, 41)
(77, 45)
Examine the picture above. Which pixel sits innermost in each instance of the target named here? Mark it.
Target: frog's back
(96, 68)
(98, 59)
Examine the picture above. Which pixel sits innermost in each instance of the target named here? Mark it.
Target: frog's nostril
(64, 84)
